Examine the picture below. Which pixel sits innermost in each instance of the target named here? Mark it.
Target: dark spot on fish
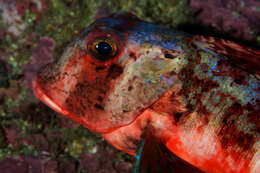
(170, 74)
(100, 68)
(198, 59)
(132, 140)
(129, 141)
(132, 55)
(207, 85)
(170, 56)
(191, 107)
(74, 106)
(240, 79)
(177, 116)
(115, 71)
(98, 106)
(100, 98)
(129, 88)
(65, 73)
(79, 89)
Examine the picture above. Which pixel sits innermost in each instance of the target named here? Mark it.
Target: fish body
(200, 95)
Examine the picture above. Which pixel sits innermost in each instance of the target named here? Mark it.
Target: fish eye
(103, 48)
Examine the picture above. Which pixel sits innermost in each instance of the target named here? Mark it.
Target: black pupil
(103, 48)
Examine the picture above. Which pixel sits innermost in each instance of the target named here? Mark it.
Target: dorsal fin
(238, 55)
(154, 157)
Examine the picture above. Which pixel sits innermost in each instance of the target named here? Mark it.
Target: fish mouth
(43, 96)
(40, 94)
(47, 93)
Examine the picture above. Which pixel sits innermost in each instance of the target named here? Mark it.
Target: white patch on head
(145, 76)
(203, 144)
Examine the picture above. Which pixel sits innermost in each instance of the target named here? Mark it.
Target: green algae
(80, 140)
(170, 13)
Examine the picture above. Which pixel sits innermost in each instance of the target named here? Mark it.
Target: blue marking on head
(155, 35)
(168, 45)
(251, 91)
(140, 32)
(178, 48)
(137, 157)
(148, 81)
(168, 81)
(209, 51)
(205, 49)
(212, 64)
(121, 13)
(112, 22)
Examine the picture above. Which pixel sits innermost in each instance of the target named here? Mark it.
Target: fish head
(111, 73)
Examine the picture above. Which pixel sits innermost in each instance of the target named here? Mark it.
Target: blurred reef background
(35, 139)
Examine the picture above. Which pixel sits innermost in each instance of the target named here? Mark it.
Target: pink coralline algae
(41, 55)
(13, 13)
(240, 18)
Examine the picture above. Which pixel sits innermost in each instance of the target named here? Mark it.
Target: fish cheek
(88, 94)
(46, 76)
(87, 99)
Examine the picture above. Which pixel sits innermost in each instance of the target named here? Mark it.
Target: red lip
(40, 94)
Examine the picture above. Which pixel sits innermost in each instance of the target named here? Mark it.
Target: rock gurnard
(197, 96)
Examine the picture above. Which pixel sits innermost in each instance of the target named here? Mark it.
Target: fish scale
(198, 96)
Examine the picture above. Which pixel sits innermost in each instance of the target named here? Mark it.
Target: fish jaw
(40, 94)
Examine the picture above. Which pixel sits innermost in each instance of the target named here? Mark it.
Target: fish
(186, 99)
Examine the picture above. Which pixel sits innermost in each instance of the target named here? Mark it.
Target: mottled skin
(201, 95)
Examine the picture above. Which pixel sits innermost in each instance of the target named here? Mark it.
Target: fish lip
(39, 93)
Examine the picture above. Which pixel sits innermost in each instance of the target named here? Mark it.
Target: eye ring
(103, 48)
